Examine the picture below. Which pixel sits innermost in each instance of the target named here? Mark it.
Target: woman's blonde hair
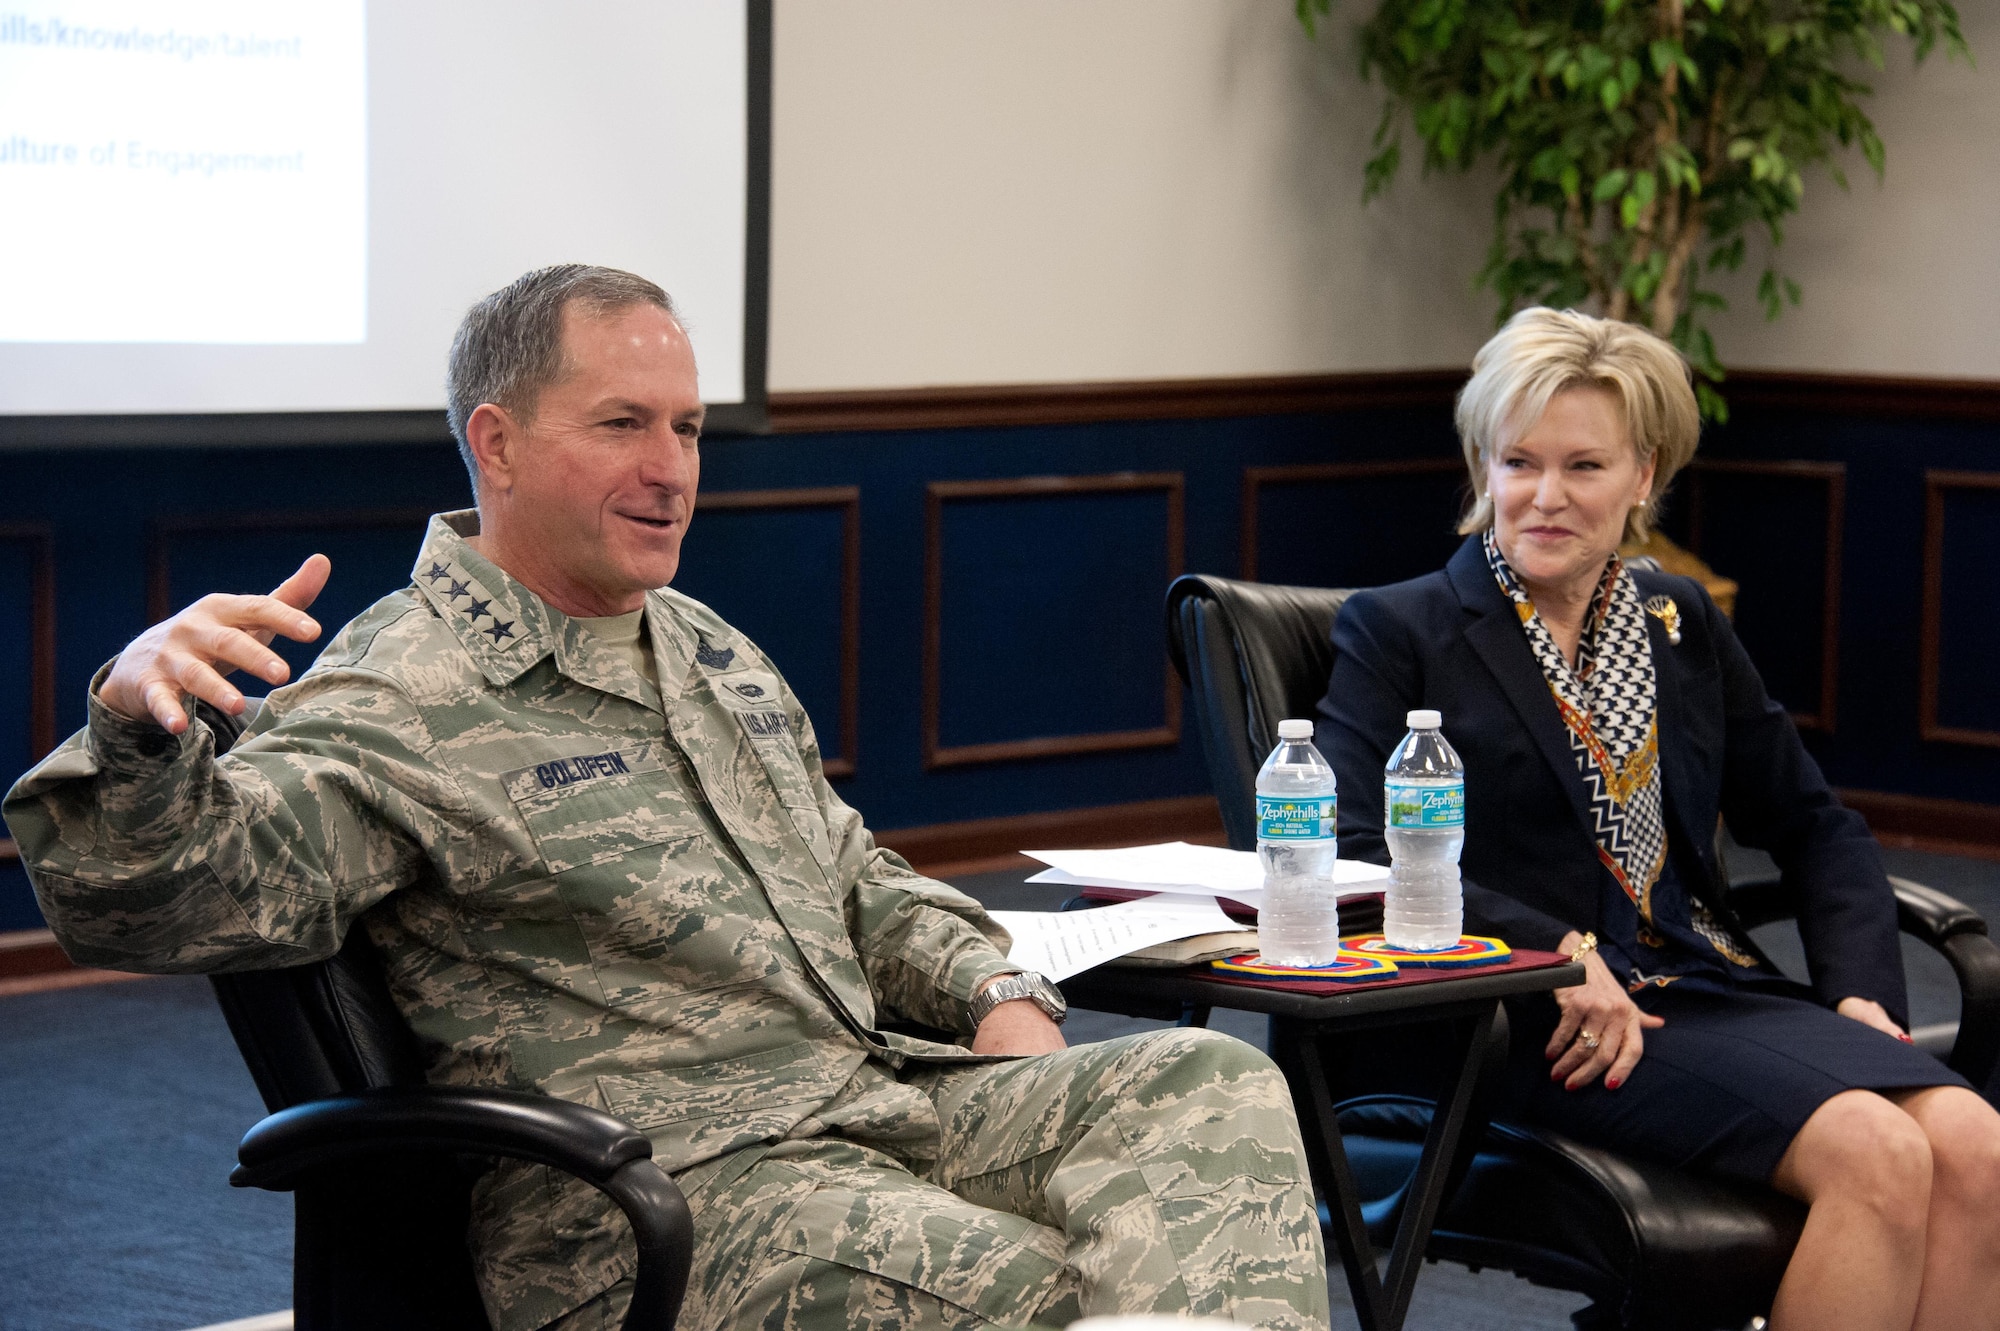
(1539, 353)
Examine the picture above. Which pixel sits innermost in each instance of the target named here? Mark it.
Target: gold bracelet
(1588, 945)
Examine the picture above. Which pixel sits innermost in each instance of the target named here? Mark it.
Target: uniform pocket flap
(597, 807)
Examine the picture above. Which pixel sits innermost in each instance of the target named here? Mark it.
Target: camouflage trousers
(1157, 1173)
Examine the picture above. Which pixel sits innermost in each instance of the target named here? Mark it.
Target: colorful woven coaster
(1468, 951)
(1349, 966)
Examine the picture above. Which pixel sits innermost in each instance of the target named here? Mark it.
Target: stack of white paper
(1177, 866)
(1058, 944)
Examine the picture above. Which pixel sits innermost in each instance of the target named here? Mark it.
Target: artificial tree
(1638, 141)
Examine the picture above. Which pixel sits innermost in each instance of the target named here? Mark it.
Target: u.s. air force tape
(557, 774)
(765, 725)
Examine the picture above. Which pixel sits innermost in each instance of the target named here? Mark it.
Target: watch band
(1019, 984)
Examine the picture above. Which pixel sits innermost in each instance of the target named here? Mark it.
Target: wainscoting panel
(27, 642)
(784, 566)
(1778, 528)
(372, 551)
(1350, 524)
(27, 682)
(1042, 629)
(1961, 632)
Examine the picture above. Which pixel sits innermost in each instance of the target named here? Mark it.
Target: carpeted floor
(121, 1104)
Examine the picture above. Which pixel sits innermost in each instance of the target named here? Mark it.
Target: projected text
(193, 171)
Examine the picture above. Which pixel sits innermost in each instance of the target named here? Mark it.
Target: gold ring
(1588, 1039)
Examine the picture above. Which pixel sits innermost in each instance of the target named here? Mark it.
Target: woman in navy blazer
(1607, 716)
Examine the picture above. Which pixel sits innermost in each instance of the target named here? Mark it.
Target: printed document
(1059, 944)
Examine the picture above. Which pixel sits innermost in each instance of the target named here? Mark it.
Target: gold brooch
(1663, 609)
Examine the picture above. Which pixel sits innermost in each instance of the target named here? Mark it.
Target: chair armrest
(606, 1152)
(574, 1138)
(1948, 927)
(1931, 915)
(1958, 933)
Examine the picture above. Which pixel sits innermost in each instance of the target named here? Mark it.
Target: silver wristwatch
(1020, 984)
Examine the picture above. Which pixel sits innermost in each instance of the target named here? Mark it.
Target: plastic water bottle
(1424, 820)
(1299, 921)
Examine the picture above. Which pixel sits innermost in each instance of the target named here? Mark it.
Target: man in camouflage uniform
(585, 825)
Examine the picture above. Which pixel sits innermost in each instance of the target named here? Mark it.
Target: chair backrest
(384, 1248)
(1252, 654)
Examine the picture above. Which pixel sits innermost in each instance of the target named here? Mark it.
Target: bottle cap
(1424, 719)
(1295, 730)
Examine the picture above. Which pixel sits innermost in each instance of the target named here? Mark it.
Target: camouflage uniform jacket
(648, 900)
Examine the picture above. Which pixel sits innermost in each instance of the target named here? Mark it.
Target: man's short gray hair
(509, 346)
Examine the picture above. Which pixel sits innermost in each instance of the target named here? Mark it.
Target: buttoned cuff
(117, 743)
(972, 977)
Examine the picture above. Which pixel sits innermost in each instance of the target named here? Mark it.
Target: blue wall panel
(369, 562)
(1769, 532)
(1050, 620)
(16, 652)
(1876, 745)
(1089, 630)
(776, 574)
(1969, 612)
(1360, 531)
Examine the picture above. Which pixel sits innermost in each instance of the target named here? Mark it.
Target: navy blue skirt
(1724, 1086)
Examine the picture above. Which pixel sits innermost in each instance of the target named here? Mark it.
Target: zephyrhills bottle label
(1293, 819)
(1420, 804)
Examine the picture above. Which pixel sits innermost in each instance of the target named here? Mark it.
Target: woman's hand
(1871, 1013)
(1600, 1009)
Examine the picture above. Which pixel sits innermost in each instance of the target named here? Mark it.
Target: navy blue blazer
(1453, 641)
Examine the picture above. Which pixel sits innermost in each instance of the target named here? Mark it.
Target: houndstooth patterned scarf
(1608, 706)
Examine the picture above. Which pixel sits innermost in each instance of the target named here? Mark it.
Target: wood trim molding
(32, 962)
(846, 498)
(1919, 822)
(984, 845)
(1833, 475)
(986, 405)
(1929, 648)
(1255, 479)
(1124, 400)
(40, 539)
(1864, 395)
(937, 494)
(160, 538)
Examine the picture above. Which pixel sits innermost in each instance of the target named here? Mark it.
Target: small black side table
(1462, 1008)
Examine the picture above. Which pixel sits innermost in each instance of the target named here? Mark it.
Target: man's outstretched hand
(191, 652)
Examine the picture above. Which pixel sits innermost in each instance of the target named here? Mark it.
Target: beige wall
(1043, 190)
(1900, 277)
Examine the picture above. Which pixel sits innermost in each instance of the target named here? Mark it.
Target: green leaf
(1610, 185)
(1380, 170)
(1611, 92)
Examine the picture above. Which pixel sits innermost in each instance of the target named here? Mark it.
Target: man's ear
(495, 439)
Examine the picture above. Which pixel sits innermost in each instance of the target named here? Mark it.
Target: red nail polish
(1612, 1083)
(1905, 1039)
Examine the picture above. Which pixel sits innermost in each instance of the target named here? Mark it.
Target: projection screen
(215, 208)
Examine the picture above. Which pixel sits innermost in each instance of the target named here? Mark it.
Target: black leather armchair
(1653, 1247)
(381, 1165)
